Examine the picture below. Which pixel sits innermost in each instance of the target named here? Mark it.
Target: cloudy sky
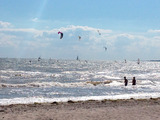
(130, 29)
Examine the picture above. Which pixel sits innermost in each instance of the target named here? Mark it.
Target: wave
(109, 83)
(46, 84)
(12, 73)
(71, 84)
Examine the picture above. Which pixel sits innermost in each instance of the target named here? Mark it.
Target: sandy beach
(88, 110)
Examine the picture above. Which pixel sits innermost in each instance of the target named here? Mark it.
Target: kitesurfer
(39, 58)
(125, 61)
(77, 58)
(138, 61)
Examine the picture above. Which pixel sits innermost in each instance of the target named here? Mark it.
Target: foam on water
(113, 83)
(31, 100)
(47, 84)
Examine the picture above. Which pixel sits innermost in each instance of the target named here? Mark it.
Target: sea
(28, 81)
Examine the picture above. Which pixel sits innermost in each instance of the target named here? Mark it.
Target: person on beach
(134, 81)
(125, 81)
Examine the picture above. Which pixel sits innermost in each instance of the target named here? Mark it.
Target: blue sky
(130, 29)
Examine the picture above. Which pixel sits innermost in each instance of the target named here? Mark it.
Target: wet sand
(88, 110)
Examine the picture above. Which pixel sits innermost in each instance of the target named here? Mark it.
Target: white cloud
(19, 30)
(35, 19)
(4, 24)
(153, 31)
(29, 30)
(84, 28)
(91, 41)
(8, 40)
(157, 37)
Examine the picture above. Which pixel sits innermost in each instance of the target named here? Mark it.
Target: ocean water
(25, 81)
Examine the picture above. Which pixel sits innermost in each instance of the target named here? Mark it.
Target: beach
(141, 109)
(76, 90)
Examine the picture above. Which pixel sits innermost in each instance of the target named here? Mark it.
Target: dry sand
(88, 110)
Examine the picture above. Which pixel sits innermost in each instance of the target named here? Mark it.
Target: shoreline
(84, 101)
(123, 109)
(41, 100)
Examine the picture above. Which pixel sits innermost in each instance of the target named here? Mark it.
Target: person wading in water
(134, 81)
(125, 81)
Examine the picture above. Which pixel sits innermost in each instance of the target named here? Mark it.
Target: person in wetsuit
(134, 81)
(125, 81)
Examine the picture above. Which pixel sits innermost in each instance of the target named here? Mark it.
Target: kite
(99, 32)
(105, 48)
(61, 34)
(79, 37)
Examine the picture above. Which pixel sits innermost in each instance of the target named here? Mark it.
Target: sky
(130, 29)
